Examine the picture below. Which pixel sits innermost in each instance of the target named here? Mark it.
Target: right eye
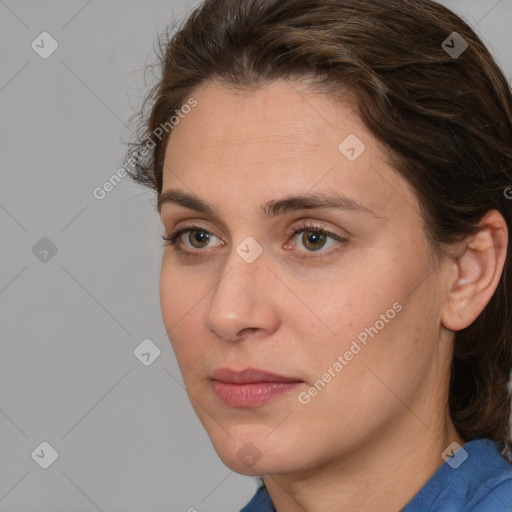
(189, 239)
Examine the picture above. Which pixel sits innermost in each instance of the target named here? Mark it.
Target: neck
(382, 474)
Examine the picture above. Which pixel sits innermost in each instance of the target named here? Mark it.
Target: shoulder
(260, 502)
(494, 492)
(478, 479)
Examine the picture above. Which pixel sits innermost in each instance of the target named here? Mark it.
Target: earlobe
(478, 267)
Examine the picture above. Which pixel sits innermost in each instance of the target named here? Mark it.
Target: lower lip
(251, 395)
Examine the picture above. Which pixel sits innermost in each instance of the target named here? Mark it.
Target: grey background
(127, 438)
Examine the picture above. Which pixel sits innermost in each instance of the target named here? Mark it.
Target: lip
(249, 376)
(250, 387)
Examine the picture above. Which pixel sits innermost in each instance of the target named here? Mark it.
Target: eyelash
(173, 239)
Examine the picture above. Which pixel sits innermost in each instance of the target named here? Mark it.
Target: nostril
(247, 331)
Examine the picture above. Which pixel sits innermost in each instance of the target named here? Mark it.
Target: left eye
(314, 239)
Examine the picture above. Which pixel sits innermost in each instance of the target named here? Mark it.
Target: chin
(249, 466)
(256, 454)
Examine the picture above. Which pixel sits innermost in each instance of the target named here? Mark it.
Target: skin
(372, 437)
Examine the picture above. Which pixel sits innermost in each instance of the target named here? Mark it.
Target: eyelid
(312, 225)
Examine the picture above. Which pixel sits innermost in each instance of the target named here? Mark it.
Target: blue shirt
(475, 479)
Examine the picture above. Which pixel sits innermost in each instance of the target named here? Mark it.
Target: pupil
(314, 240)
(199, 237)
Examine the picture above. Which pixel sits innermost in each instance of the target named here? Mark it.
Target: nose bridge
(237, 289)
(240, 298)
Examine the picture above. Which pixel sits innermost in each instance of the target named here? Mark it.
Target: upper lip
(248, 376)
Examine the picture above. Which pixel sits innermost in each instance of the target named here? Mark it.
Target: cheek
(179, 294)
(169, 302)
(366, 311)
(344, 305)
(181, 302)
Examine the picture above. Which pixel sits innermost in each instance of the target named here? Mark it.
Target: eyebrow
(272, 208)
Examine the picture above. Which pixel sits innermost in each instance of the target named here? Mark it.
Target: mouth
(250, 387)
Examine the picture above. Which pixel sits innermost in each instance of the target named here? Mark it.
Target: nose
(242, 302)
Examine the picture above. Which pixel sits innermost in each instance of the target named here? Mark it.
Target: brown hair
(445, 121)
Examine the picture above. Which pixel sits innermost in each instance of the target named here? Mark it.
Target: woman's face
(343, 316)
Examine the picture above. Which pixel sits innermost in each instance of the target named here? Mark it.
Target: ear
(477, 270)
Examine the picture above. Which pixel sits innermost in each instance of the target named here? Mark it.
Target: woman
(333, 178)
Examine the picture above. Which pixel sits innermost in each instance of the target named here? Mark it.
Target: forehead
(280, 138)
(280, 115)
